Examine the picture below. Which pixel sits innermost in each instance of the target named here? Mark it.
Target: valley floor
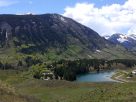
(64, 91)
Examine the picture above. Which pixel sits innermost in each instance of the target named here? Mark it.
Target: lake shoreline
(94, 76)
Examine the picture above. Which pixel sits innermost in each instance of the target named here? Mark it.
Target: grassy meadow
(21, 87)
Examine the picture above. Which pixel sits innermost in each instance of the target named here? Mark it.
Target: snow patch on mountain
(98, 50)
(63, 19)
(122, 38)
(107, 37)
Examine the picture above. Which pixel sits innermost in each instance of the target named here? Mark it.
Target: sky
(104, 16)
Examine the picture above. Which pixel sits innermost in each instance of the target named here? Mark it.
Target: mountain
(54, 37)
(128, 41)
(44, 31)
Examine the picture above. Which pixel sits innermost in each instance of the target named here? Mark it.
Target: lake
(102, 76)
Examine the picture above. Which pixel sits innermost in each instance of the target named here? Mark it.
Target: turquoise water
(104, 76)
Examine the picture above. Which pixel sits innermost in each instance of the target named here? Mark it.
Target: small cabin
(134, 72)
(47, 76)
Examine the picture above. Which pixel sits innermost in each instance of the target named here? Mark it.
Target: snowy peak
(127, 40)
(117, 38)
(120, 38)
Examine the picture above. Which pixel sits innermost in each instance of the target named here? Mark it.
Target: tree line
(68, 70)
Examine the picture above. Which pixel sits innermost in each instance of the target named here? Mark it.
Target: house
(134, 72)
(47, 76)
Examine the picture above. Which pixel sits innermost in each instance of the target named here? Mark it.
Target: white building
(134, 72)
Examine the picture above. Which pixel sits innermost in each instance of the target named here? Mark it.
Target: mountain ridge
(126, 40)
(54, 36)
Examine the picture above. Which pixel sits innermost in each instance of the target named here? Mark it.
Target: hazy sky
(104, 16)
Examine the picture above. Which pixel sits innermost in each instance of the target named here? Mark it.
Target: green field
(27, 89)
